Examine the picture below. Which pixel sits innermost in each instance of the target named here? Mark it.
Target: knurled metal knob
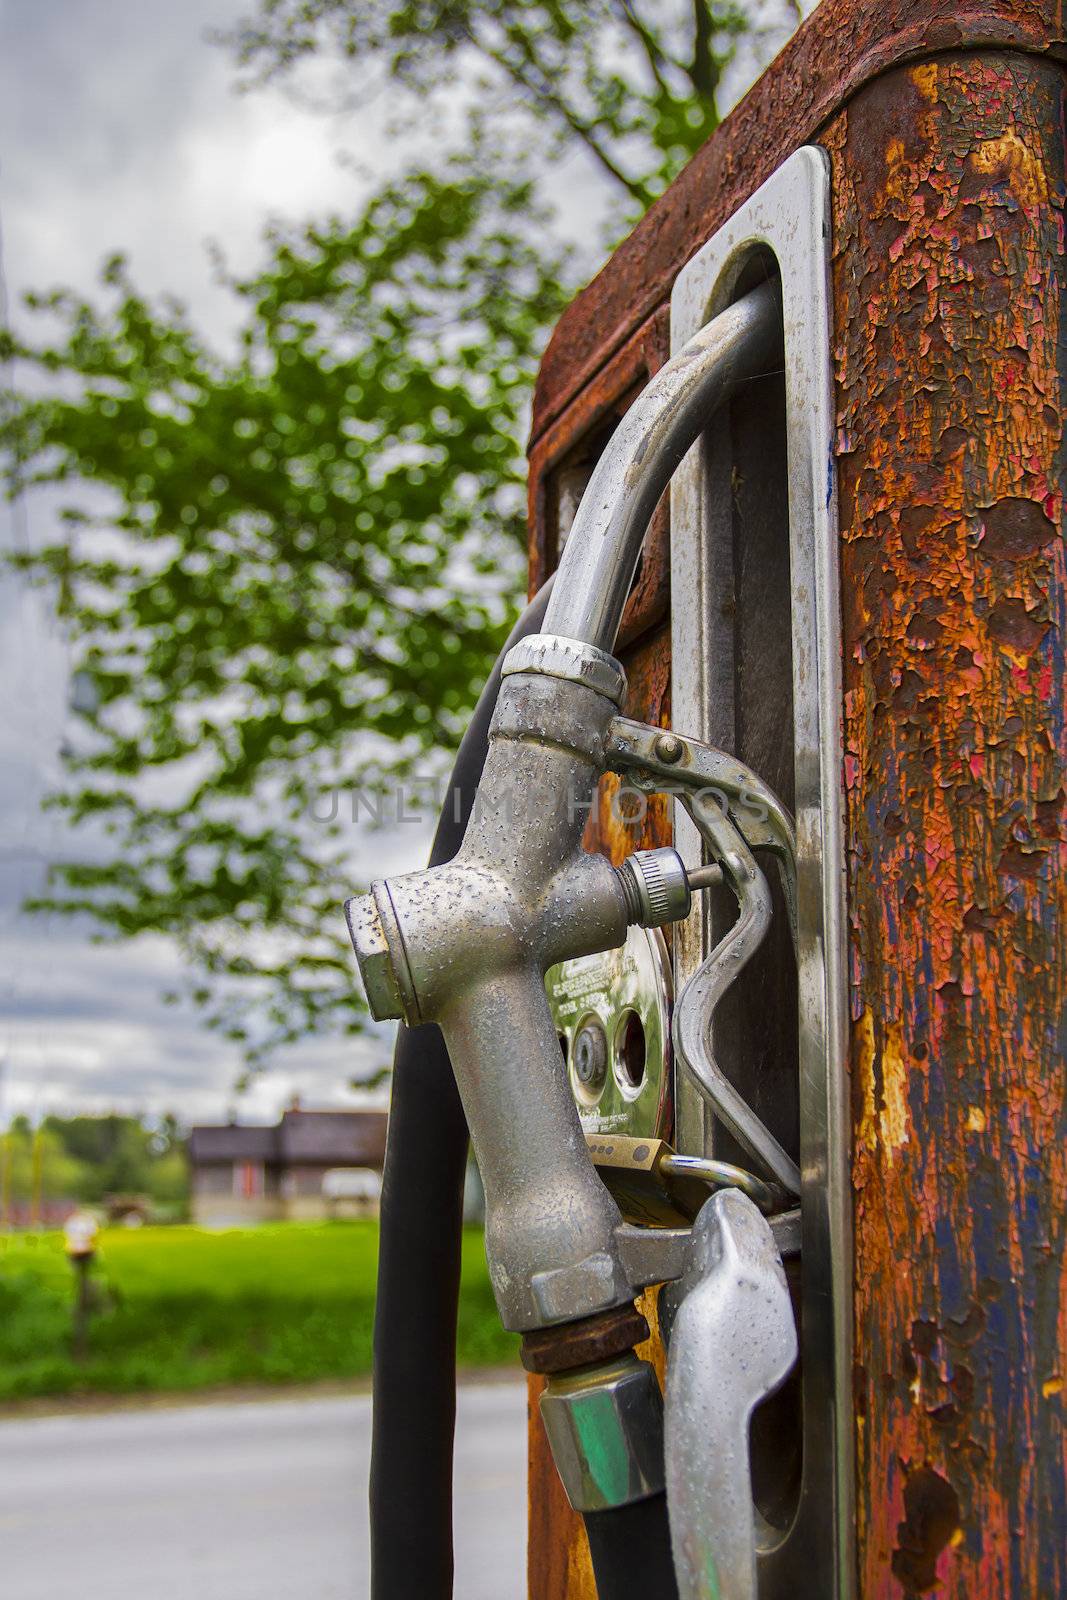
(656, 887)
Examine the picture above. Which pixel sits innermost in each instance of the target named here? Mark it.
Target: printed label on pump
(612, 1015)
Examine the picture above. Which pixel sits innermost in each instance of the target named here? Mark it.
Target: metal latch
(654, 1185)
(728, 1317)
(734, 812)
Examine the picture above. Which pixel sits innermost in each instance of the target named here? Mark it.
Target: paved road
(263, 1500)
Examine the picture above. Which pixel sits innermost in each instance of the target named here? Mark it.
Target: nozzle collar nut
(371, 944)
(656, 887)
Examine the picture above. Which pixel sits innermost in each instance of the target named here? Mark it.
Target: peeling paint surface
(951, 363)
(842, 45)
(951, 357)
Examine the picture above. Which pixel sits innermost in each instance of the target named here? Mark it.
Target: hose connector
(605, 1426)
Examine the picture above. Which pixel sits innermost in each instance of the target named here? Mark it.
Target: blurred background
(274, 283)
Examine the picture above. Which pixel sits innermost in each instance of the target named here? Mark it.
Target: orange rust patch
(949, 280)
(1009, 161)
(893, 1122)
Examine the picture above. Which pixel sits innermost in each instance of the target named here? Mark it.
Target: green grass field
(184, 1308)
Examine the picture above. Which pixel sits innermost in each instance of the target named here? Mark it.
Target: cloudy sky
(120, 128)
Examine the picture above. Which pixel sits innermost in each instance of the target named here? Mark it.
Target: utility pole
(5, 1165)
(5, 1181)
(37, 1178)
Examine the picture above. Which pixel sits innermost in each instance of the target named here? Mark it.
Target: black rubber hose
(419, 1258)
(631, 1551)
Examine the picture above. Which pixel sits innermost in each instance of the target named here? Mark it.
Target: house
(241, 1173)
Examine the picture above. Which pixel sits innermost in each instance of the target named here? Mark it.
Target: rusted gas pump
(849, 616)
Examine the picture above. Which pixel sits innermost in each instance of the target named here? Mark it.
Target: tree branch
(655, 54)
(704, 73)
(534, 80)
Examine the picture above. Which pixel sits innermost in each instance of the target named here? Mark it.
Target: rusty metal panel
(949, 284)
(841, 46)
(949, 193)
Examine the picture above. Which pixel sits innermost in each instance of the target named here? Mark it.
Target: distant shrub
(34, 1316)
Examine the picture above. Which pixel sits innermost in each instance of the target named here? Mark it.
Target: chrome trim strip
(790, 214)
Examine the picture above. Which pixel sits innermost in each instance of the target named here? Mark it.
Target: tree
(116, 1154)
(285, 573)
(38, 1165)
(634, 85)
(318, 544)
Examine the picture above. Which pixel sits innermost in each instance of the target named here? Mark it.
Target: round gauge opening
(630, 1053)
(634, 1095)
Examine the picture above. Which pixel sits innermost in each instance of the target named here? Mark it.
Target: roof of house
(341, 1138)
(233, 1141)
(301, 1138)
